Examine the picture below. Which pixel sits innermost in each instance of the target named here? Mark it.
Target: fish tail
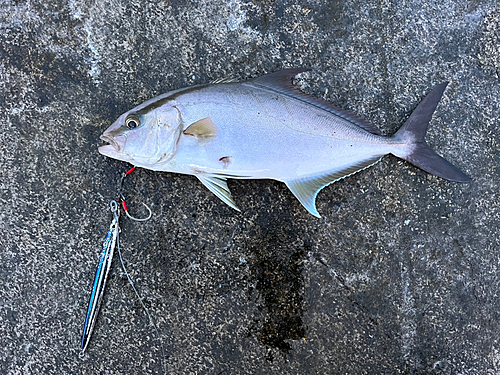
(417, 152)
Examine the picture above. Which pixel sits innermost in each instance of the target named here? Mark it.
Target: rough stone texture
(399, 275)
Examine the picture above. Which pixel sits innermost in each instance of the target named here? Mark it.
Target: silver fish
(266, 128)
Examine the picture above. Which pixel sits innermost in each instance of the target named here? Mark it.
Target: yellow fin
(306, 189)
(204, 128)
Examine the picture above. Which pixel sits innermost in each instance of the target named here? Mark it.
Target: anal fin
(306, 189)
(218, 186)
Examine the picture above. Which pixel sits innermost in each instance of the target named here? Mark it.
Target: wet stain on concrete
(278, 251)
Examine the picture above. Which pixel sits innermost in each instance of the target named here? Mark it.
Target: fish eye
(132, 122)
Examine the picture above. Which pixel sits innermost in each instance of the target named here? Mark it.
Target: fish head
(144, 136)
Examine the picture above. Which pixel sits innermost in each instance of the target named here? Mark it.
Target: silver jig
(101, 275)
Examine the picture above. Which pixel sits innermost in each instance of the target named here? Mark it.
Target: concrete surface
(400, 276)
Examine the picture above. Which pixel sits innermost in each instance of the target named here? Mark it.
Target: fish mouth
(109, 149)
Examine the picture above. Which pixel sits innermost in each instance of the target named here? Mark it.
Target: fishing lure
(101, 275)
(111, 241)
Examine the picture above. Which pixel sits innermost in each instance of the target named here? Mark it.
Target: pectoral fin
(218, 186)
(306, 189)
(204, 128)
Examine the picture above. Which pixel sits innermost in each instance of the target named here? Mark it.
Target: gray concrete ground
(400, 275)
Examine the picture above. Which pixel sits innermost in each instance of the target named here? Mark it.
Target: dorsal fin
(281, 81)
(224, 80)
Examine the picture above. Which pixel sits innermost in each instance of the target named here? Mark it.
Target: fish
(266, 128)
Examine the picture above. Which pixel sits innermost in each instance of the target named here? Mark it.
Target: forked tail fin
(413, 133)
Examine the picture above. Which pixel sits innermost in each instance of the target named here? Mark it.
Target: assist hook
(124, 204)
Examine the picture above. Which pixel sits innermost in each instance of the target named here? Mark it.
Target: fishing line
(151, 321)
(103, 267)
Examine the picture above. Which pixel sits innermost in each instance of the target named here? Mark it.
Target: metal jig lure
(104, 265)
(101, 275)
